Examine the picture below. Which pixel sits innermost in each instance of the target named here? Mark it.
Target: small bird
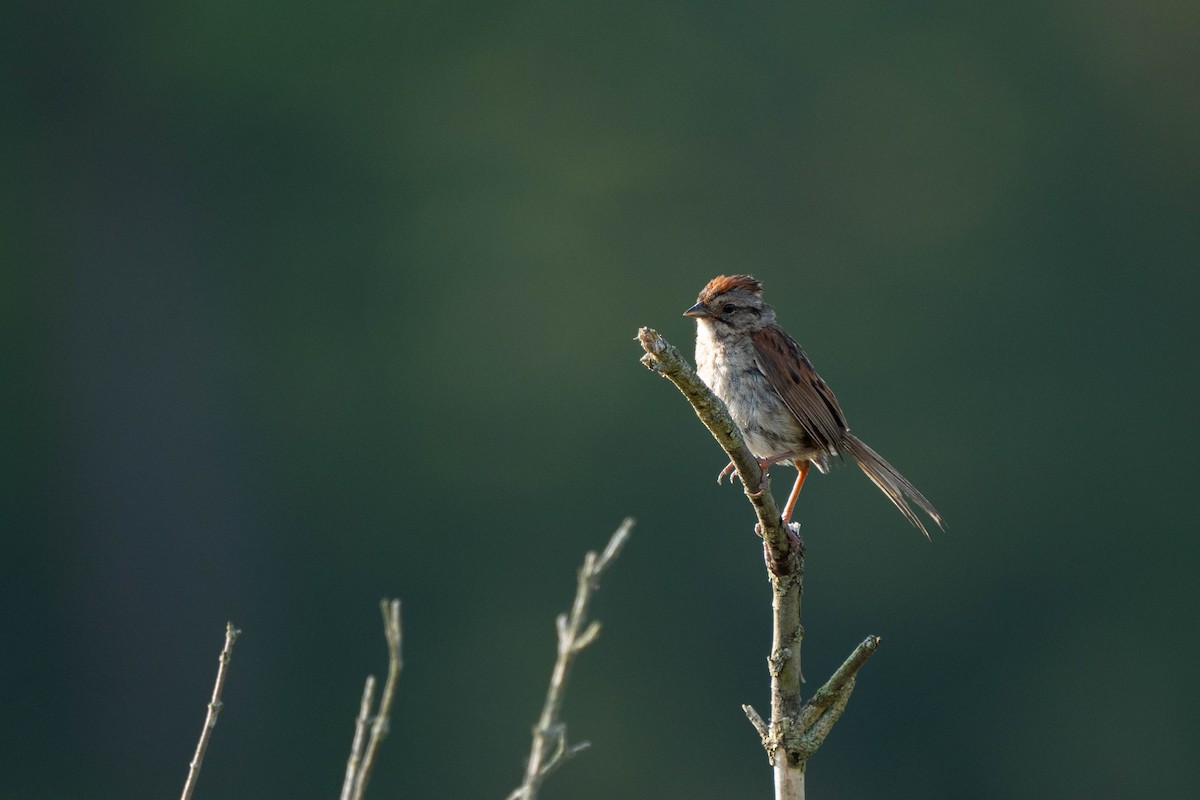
(783, 408)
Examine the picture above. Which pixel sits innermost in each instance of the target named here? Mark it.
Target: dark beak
(698, 311)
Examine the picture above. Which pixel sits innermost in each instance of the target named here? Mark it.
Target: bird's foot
(764, 464)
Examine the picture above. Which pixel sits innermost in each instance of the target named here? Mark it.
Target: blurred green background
(306, 304)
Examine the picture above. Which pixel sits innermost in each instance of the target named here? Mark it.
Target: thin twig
(814, 736)
(359, 772)
(840, 684)
(360, 737)
(550, 748)
(757, 721)
(214, 708)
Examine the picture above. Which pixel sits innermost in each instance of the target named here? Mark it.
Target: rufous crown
(724, 283)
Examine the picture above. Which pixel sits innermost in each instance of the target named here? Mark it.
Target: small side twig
(826, 704)
(760, 724)
(550, 745)
(214, 708)
(362, 758)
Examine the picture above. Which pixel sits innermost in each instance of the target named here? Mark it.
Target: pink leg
(802, 466)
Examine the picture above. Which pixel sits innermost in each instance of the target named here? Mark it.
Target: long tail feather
(890, 482)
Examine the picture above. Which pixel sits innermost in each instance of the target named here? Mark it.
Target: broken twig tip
(652, 342)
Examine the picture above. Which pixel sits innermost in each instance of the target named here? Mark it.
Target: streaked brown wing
(793, 378)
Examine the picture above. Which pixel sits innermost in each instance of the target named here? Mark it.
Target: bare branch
(814, 736)
(757, 721)
(550, 748)
(358, 773)
(795, 731)
(360, 737)
(615, 545)
(214, 708)
(587, 636)
(839, 685)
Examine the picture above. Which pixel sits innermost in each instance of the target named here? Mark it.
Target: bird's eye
(729, 308)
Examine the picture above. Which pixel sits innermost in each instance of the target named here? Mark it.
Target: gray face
(738, 310)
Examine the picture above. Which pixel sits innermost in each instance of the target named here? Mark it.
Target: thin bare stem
(784, 666)
(550, 747)
(362, 759)
(360, 737)
(757, 721)
(214, 708)
(840, 683)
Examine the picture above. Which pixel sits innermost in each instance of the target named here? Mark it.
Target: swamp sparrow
(783, 408)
